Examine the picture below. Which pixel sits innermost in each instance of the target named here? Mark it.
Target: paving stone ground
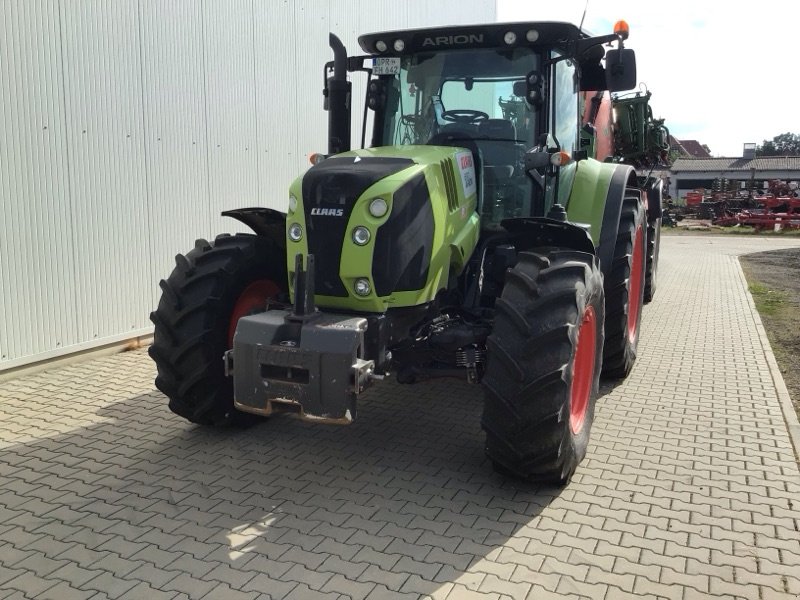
(690, 490)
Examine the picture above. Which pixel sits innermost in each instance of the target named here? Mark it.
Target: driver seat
(497, 139)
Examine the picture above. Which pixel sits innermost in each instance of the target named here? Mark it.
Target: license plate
(386, 66)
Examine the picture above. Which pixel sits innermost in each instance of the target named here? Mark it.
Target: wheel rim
(252, 299)
(583, 370)
(635, 289)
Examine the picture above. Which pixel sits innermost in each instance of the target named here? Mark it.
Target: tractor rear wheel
(208, 291)
(653, 246)
(624, 287)
(542, 374)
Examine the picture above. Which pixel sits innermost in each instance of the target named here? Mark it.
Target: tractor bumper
(312, 366)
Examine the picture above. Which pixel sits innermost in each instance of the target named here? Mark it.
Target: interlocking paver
(689, 489)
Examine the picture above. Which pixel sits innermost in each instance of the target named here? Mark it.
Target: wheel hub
(583, 370)
(635, 287)
(252, 299)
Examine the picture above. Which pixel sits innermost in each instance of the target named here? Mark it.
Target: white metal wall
(126, 126)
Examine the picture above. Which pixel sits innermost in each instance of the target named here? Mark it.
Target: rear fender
(623, 177)
(655, 195)
(596, 201)
(265, 222)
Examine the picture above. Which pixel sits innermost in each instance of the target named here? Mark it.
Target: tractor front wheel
(208, 291)
(543, 369)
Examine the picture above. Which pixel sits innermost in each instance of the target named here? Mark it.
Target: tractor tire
(543, 368)
(651, 269)
(208, 291)
(624, 288)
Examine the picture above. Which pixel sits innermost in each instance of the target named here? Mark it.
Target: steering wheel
(464, 115)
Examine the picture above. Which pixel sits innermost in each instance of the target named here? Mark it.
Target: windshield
(457, 91)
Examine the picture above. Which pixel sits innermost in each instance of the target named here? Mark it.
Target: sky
(722, 73)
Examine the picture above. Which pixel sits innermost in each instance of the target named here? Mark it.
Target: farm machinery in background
(726, 204)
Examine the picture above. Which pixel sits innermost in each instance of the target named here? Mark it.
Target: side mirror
(620, 70)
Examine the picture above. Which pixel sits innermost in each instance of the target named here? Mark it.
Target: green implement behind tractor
(475, 235)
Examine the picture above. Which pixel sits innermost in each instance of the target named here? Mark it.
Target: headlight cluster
(360, 235)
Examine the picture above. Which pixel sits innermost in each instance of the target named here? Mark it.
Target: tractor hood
(399, 250)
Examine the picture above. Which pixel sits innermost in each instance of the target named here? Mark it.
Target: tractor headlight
(399, 45)
(378, 207)
(292, 203)
(361, 235)
(362, 287)
(295, 232)
(510, 38)
(380, 46)
(532, 35)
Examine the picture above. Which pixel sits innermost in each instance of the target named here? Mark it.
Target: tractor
(482, 230)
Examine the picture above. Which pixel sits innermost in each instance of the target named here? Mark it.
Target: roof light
(316, 158)
(380, 46)
(510, 37)
(532, 35)
(621, 29)
(399, 45)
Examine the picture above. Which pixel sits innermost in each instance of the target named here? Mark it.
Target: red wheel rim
(583, 370)
(635, 289)
(252, 299)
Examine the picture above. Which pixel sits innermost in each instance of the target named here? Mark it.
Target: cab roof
(463, 37)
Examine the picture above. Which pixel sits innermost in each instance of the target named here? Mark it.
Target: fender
(530, 232)
(265, 222)
(624, 176)
(655, 195)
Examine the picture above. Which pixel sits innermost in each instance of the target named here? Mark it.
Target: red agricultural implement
(774, 213)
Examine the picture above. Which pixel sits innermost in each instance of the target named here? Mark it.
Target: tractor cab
(500, 91)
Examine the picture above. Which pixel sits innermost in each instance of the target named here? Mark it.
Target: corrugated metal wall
(127, 126)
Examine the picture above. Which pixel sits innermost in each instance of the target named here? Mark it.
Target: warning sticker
(467, 169)
(386, 66)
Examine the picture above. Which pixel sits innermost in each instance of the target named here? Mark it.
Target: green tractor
(472, 237)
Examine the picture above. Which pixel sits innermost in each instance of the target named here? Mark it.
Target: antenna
(586, 6)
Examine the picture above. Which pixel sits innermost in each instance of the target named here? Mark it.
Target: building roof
(689, 148)
(695, 148)
(718, 165)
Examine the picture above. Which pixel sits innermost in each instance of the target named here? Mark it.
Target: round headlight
(361, 235)
(532, 35)
(292, 204)
(295, 232)
(399, 45)
(362, 287)
(378, 207)
(380, 46)
(510, 37)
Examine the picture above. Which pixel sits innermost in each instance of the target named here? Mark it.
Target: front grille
(336, 183)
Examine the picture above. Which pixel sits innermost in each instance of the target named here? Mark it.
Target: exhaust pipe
(338, 94)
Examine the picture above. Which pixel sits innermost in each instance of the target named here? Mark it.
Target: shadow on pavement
(403, 498)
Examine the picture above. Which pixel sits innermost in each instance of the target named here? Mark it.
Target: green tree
(785, 144)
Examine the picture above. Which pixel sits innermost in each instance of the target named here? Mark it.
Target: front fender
(533, 232)
(265, 222)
